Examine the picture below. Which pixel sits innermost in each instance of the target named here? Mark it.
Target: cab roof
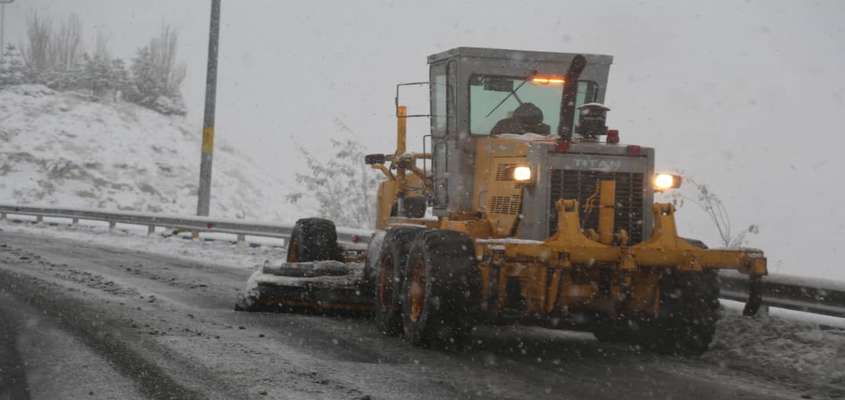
(507, 54)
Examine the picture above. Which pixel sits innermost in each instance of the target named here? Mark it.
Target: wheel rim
(293, 251)
(385, 281)
(416, 295)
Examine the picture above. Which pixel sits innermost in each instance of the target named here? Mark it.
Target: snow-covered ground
(806, 354)
(59, 148)
(798, 352)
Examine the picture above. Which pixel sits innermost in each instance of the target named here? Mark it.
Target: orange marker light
(548, 80)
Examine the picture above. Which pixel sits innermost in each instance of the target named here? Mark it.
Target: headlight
(666, 181)
(522, 174)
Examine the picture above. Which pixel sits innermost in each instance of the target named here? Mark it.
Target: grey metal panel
(595, 162)
(509, 54)
(593, 147)
(535, 216)
(648, 200)
(536, 201)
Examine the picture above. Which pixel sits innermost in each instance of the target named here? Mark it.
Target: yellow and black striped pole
(208, 120)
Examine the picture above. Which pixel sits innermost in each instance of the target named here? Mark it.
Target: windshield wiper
(513, 93)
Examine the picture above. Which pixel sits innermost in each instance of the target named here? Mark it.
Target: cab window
(493, 100)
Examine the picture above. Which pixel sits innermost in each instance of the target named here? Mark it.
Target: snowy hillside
(64, 149)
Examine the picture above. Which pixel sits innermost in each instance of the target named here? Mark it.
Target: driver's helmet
(528, 114)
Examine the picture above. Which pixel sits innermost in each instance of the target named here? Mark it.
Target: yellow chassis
(571, 271)
(561, 275)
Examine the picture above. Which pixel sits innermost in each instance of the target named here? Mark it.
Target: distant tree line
(56, 56)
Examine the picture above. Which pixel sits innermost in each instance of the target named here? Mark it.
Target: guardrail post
(112, 224)
(241, 238)
(151, 229)
(75, 221)
(2, 215)
(39, 219)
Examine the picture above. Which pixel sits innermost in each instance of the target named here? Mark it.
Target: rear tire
(390, 268)
(313, 239)
(441, 290)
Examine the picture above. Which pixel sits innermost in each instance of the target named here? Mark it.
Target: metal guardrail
(802, 294)
(240, 228)
(810, 295)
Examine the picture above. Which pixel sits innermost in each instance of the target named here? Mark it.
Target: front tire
(686, 322)
(313, 239)
(441, 290)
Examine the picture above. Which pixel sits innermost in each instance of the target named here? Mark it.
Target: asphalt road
(85, 321)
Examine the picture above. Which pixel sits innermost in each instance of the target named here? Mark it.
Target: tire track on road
(13, 383)
(100, 333)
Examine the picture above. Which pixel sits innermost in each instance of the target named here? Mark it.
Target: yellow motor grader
(526, 209)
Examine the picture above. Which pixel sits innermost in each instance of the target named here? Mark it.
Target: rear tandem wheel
(441, 289)
(390, 276)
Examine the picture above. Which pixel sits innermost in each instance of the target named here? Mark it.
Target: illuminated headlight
(664, 182)
(522, 174)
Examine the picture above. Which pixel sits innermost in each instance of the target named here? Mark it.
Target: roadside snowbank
(802, 353)
(61, 148)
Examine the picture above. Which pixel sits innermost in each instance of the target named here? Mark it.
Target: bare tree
(37, 52)
(164, 51)
(101, 46)
(98, 75)
(157, 75)
(715, 209)
(341, 184)
(67, 47)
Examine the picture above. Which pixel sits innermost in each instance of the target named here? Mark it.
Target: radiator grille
(582, 185)
(504, 172)
(505, 204)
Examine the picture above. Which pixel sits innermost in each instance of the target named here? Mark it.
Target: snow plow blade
(310, 287)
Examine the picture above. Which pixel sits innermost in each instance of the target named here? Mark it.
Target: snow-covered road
(154, 316)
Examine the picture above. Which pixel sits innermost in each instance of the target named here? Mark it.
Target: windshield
(494, 101)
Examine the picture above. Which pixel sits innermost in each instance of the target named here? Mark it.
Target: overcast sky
(745, 96)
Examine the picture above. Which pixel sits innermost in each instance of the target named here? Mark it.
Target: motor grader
(526, 209)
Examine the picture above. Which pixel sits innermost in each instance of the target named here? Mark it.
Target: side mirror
(371, 159)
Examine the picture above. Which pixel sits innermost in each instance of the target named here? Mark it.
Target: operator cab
(479, 92)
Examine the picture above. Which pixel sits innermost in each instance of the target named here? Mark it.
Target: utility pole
(208, 120)
(3, 24)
